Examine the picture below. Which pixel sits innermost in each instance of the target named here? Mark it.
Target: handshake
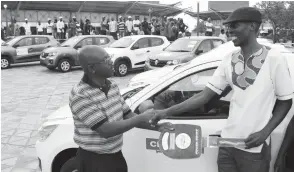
(152, 117)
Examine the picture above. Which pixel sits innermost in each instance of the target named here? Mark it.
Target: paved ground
(29, 93)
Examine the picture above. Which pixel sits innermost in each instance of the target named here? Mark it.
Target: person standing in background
(103, 26)
(121, 27)
(27, 27)
(39, 28)
(54, 28)
(223, 35)
(113, 28)
(129, 25)
(136, 25)
(49, 27)
(209, 28)
(60, 28)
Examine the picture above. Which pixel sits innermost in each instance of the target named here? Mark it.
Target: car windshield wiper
(117, 47)
(65, 45)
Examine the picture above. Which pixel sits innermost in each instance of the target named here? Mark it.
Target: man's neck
(249, 49)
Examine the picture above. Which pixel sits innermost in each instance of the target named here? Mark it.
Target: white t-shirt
(60, 26)
(254, 92)
(136, 22)
(27, 27)
(224, 36)
(112, 26)
(129, 25)
(208, 26)
(39, 28)
(49, 27)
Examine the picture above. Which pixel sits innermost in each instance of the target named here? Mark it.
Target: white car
(56, 148)
(131, 52)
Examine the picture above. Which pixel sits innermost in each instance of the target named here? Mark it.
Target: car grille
(44, 55)
(160, 63)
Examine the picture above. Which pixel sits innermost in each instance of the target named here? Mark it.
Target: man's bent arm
(191, 104)
(280, 111)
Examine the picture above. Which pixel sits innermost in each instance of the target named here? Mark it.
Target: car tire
(121, 68)
(70, 165)
(64, 65)
(5, 63)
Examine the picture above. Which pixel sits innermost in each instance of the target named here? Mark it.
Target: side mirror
(198, 52)
(16, 45)
(135, 47)
(78, 46)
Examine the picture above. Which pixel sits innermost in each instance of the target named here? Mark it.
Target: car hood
(59, 49)
(118, 51)
(151, 76)
(171, 55)
(6, 48)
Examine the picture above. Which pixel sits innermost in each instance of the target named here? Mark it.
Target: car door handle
(48, 46)
(30, 49)
(148, 51)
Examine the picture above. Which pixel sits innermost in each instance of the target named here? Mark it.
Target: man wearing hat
(27, 27)
(129, 25)
(60, 28)
(261, 98)
(101, 115)
(49, 27)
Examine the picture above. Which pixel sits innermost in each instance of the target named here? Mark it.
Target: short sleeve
(282, 80)
(87, 111)
(218, 81)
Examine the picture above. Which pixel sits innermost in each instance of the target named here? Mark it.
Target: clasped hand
(153, 116)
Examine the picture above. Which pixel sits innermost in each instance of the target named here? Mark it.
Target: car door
(101, 41)
(141, 50)
(141, 146)
(203, 47)
(24, 50)
(40, 43)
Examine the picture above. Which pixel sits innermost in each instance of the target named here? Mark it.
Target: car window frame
(149, 44)
(83, 40)
(48, 40)
(150, 41)
(198, 116)
(95, 41)
(23, 39)
(202, 42)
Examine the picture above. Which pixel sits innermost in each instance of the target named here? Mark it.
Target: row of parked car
(128, 53)
(56, 148)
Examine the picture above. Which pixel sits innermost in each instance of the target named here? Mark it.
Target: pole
(198, 18)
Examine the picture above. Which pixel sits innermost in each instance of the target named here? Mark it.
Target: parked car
(66, 56)
(23, 49)
(182, 50)
(131, 52)
(56, 148)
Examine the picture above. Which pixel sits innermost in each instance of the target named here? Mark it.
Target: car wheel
(5, 63)
(121, 68)
(64, 65)
(70, 166)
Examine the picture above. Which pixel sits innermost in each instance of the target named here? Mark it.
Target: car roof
(145, 36)
(201, 37)
(84, 36)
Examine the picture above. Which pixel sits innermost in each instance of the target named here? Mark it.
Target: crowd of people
(170, 27)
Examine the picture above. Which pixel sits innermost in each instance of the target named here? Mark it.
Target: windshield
(182, 45)
(11, 41)
(70, 42)
(122, 43)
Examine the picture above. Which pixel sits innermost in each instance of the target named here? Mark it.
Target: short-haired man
(262, 95)
(101, 115)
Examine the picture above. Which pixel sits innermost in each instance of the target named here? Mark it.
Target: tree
(277, 13)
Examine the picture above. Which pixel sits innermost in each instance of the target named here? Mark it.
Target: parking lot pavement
(29, 93)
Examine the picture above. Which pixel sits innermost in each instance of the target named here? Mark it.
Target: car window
(217, 43)
(101, 41)
(86, 41)
(205, 46)
(182, 45)
(156, 42)
(41, 40)
(25, 42)
(142, 43)
(186, 88)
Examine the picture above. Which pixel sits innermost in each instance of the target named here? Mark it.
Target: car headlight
(46, 131)
(52, 54)
(173, 62)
